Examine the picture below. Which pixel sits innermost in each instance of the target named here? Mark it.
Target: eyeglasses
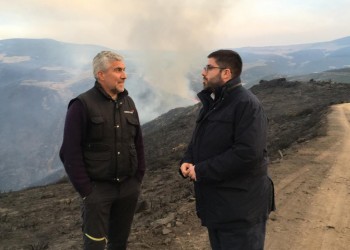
(209, 67)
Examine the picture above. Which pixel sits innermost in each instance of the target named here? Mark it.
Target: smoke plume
(173, 38)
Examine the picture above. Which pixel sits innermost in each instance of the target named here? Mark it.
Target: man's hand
(187, 170)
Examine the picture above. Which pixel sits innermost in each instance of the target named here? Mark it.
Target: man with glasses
(227, 158)
(103, 154)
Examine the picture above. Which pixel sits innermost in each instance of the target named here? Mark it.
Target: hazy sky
(174, 24)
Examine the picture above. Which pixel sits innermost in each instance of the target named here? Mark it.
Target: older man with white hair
(103, 154)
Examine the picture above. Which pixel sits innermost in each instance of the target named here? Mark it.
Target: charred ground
(49, 217)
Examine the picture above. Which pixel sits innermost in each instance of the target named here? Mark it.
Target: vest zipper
(115, 139)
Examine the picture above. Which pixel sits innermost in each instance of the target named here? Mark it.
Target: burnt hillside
(49, 217)
(294, 109)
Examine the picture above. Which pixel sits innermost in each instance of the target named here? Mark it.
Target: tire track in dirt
(312, 201)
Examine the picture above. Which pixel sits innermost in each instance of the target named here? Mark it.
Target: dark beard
(213, 83)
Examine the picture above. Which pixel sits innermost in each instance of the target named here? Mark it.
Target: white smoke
(174, 38)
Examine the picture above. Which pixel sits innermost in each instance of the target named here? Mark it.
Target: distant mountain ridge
(286, 61)
(285, 49)
(334, 75)
(39, 76)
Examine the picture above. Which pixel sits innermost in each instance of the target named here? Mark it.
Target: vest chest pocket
(133, 124)
(96, 128)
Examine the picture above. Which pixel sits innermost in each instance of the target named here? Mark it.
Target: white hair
(103, 59)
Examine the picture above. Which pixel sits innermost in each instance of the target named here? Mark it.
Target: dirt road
(313, 187)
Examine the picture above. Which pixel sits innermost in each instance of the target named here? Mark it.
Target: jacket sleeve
(71, 152)
(248, 150)
(141, 168)
(188, 154)
(187, 157)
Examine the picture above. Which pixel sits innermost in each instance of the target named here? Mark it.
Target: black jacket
(228, 149)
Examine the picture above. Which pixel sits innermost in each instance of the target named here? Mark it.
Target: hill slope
(49, 216)
(294, 109)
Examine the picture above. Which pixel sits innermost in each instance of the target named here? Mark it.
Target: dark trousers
(108, 213)
(252, 238)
